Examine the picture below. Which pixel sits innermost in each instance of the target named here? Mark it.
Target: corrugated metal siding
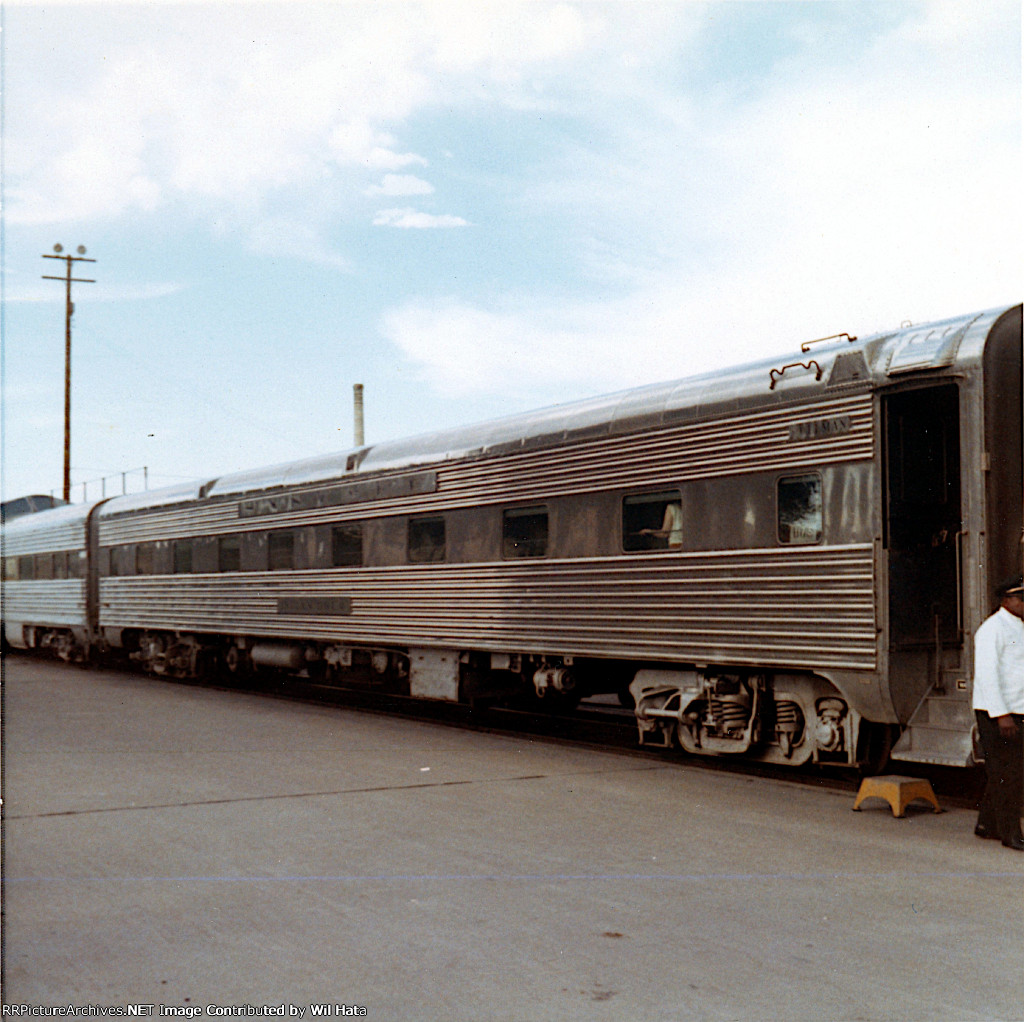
(791, 607)
(741, 444)
(744, 444)
(44, 538)
(45, 602)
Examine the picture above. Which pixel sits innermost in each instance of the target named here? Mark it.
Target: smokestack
(357, 412)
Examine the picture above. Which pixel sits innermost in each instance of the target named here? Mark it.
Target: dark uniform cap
(1012, 586)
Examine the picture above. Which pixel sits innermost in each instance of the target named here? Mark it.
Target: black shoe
(983, 832)
(1016, 843)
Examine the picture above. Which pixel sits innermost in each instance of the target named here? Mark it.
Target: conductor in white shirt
(999, 711)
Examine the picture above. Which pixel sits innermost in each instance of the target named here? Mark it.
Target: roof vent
(927, 348)
(849, 367)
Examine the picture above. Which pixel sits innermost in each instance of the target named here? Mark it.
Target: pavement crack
(286, 795)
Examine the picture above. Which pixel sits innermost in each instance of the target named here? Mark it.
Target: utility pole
(68, 311)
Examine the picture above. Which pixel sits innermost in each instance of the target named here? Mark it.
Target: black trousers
(1000, 808)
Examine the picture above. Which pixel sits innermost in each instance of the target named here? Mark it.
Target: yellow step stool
(898, 791)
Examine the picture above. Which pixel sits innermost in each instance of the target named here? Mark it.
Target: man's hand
(1007, 725)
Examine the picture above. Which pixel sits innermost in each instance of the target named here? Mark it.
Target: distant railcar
(785, 562)
(11, 509)
(46, 581)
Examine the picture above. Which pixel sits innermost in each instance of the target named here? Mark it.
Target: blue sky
(473, 209)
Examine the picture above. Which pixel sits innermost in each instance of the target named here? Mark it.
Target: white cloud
(828, 198)
(355, 143)
(822, 203)
(230, 103)
(95, 176)
(462, 349)
(500, 38)
(414, 218)
(401, 184)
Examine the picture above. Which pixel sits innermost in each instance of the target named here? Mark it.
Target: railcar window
(524, 532)
(281, 550)
(60, 564)
(145, 559)
(426, 540)
(182, 556)
(122, 561)
(10, 569)
(347, 546)
(800, 509)
(229, 553)
(44, 566)
(26, 567)
(652, 521)
(76, 564)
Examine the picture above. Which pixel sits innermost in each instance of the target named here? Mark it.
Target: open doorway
(923, 516)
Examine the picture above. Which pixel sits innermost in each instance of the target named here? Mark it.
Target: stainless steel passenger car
(786, 561)
(46, 581)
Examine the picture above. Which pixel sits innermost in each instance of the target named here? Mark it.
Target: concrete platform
(172, 845)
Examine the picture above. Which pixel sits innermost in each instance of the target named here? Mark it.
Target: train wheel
(208, 666)
(237, 664)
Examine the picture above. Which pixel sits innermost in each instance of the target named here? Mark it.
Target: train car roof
(873, 359)
(179, 493)
(840, 364)
(51, 518)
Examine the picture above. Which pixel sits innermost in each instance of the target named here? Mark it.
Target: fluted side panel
(765, 441)
(786, 608)
(45, 602)
(65, 535)
(749, 443)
